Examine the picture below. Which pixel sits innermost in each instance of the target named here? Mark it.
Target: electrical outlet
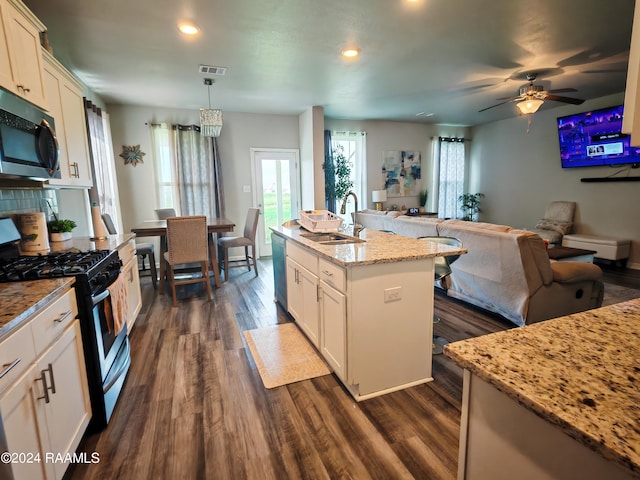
(392, 294)
(246, 188)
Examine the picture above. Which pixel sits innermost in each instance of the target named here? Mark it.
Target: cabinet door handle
(62, 317)
(318, 293)
(327, 273)
(76, 170)
(43, 379)
(9, 366)
(53, 382)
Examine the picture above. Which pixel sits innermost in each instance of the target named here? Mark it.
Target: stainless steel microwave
(28, 143)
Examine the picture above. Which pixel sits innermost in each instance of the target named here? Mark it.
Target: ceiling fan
(531, 97)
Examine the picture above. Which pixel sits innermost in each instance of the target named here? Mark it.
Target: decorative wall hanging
(401, 173)
(132, 154)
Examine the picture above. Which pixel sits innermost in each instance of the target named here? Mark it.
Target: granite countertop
(580, 372)
(378, 247)
(112, 242)
(20, 300)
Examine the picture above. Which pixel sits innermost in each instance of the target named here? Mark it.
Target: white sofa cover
(507, 271)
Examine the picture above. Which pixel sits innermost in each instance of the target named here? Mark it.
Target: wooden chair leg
(205, 276)
(173, 285)
(154, 273)
(226, 264)
(253, 257)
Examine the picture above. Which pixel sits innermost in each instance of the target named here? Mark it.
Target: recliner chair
(557, 221)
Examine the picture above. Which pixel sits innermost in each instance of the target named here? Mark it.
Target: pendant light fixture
(210, 119)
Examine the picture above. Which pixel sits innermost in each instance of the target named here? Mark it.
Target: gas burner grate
(61, 264)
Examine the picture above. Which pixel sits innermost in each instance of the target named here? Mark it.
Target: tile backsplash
(16, 201)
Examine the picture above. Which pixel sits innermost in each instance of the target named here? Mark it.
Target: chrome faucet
(357, 228)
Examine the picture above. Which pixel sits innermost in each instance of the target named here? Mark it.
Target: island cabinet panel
(502, 440)
(333, 324)
(303, 293)
(389, 326)
(128, 256)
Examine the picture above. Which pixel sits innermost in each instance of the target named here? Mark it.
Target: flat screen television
(594, 139)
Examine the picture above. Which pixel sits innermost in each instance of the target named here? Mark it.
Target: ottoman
(608, 248)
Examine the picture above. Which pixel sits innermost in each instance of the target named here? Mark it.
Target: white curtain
(188, 170)
(451, 175)
(194, 160)
(105, 191)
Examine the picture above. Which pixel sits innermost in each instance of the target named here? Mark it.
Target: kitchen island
(366, 304)
(558, 399)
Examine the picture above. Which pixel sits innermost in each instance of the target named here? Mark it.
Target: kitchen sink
(331, 238)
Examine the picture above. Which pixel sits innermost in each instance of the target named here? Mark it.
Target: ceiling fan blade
(498, 104)
(557, 98)
(562, 90)
(510, 98)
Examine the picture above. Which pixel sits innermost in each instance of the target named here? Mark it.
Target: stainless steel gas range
(107, 353)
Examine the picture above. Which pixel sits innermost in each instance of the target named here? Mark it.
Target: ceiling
(446, 59)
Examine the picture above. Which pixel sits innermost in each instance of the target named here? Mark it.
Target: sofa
(506, 271)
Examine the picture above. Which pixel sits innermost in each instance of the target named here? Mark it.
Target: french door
(275, 189)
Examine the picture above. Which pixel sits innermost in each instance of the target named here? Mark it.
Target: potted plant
(422, 202)
(60, 228)
(470, 205)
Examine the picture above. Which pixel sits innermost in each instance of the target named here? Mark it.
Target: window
(184, 169)
(166, 179)
(354, 149)
(451, 175)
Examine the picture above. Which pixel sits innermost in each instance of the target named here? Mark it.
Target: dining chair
(442, 269)
(143, 250)
(164, 213)
(246, 241)
(187, 242)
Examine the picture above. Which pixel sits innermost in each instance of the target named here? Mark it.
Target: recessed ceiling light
(350, 52)
(188, 28)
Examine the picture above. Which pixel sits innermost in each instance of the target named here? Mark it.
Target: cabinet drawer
(53, 320)
(17, 353)
(332, 274)
(127, 252)
(303, 256)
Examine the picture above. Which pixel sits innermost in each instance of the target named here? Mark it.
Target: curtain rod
(452, 138)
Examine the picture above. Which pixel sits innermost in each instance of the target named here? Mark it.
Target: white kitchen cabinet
(47, 409)
(66, 105)
(127, 253)
(67, 411)
(333, 325)
(372, 323)
(26, 433)
(20, 56)
(304, 307)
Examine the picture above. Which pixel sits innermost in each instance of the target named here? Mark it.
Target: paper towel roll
(33, 230)
(99, 229)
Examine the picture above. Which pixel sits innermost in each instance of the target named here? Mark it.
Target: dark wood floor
(194, 407)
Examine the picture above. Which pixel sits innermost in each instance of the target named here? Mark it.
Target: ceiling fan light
(530, 105)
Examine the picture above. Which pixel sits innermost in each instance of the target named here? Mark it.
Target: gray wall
(520, 173)
(241, 132)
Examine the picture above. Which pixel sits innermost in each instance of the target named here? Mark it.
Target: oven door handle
(99, 298)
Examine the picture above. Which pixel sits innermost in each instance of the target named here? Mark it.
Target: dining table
(158, 228)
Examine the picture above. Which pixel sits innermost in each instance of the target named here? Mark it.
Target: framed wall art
(401, 173)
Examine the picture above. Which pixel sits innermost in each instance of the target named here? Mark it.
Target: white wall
(384, 136)
(241, 132)
(520, 173)
(312, 158)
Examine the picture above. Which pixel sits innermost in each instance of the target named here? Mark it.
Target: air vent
(211, 70)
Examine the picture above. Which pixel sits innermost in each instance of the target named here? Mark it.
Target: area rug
(283, 355)
(616, 294)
